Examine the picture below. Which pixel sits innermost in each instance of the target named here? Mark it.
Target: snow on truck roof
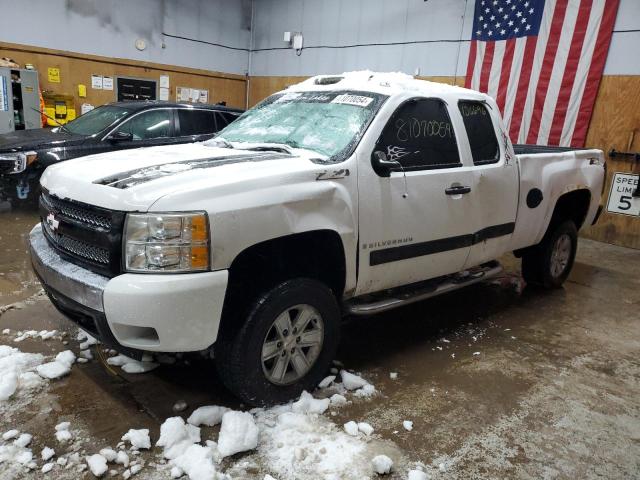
(387, 83)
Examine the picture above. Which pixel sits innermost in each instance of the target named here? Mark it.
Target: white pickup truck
(343, 195)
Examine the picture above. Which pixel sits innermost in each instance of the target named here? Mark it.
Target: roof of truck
(387, 83)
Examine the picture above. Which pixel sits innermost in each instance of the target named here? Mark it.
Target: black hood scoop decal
(139, 176)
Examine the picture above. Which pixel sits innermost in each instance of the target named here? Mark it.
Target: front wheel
(548, 264)
(285, 345)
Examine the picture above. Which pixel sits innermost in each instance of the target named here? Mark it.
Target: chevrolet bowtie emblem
(52, 222)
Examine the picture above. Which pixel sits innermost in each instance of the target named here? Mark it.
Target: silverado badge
(52, 222)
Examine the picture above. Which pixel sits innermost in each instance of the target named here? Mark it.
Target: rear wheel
(549, 263)
(285, 345)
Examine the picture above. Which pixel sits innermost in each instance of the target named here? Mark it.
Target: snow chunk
(338, 400)
(131, 365)
(108, 453)
(326, 381)
(63, 435)
(382, 464)
(138, 438)
(351, 428)
(365, 428)
(122, 458)
(23, 440)
(308, 404)
(408, 425)
(47, 453)
(365, 392)
(417, 475)
(351, 381)
(393, 375)
(197, 462)
(47, 467)
(176, 437)
(53, 370)
(209, 415)
(13, 364)
(238, 433)
(97, 464)
(8, 435)
(8, 385)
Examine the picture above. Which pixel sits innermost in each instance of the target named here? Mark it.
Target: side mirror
(117, 136)
(382, 165)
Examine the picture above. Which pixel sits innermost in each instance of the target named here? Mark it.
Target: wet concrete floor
(500, 382)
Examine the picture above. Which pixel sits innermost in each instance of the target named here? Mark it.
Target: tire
(240, 355)
(549, 263)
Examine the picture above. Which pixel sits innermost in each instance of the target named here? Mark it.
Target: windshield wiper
(62, 127)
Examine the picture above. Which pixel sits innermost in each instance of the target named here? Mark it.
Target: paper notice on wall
(86, 107)
(96, 82)
(195, 95)
(107, 83)
(164, 94)
(4, 102)
(204, 96)
(53, 75)
(164, 81)
(182, 94)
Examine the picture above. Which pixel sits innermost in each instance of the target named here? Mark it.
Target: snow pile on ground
(62, 432)
(362, 388)
(16, 371)
(59, 367)
(308, 404)
(97, 464)
(131, 365)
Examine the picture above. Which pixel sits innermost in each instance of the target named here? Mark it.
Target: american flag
(542, 61)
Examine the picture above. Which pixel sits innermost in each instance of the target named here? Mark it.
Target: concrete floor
(500, 383)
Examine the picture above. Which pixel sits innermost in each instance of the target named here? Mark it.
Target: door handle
(457, 190)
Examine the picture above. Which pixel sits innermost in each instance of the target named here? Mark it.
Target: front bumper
(134, 312)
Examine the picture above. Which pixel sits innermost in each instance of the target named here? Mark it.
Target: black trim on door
(394, 254)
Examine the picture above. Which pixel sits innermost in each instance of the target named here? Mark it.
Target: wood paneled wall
(615, 124)
(76, 68)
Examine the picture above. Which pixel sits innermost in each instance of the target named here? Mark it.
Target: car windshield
(96, 120)
(328, 123)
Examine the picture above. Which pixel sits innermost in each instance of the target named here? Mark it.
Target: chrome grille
(75, 212)
(77, 247)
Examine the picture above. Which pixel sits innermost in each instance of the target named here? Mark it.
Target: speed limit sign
(621, 199)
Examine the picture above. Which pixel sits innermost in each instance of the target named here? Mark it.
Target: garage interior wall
(215, 44)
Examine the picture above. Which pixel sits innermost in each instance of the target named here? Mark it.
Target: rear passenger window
(196, 122)
(420, 136)
(482, 136)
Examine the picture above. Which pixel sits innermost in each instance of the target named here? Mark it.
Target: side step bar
(389, 299)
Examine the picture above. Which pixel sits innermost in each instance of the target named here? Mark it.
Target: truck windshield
(96, 120)
(328, 123)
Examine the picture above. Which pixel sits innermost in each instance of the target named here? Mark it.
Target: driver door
(414, 224)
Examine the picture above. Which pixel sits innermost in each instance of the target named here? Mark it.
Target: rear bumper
(134, 312)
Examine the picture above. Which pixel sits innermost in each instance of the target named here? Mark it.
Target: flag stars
(498, 25)
(516, 30)
(524, 20)
(530, 11)
(526, 4)
(504, 17)
(490, 33)
(500, 10)
(487, 10)
(503, 31)
(485, 26)
(492, 18)
(528, 27)
(519, 14)
(510, 23)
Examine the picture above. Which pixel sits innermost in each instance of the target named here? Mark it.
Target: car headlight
(17, 162)
(166, 242)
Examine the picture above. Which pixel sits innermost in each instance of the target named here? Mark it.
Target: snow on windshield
(327, 123)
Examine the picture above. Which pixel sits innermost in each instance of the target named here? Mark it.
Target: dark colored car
(117, 126)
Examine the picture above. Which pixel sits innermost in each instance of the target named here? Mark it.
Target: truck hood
(38, 139)
(133, 180)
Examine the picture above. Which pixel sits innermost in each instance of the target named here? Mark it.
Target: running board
(389, 299)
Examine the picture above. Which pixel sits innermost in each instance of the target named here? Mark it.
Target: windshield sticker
(356, 100)
(287, 97)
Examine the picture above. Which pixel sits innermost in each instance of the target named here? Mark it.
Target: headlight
(166, 242)
(17, 162)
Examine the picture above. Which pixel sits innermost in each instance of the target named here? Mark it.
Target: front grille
(85, 235)
(75, 212)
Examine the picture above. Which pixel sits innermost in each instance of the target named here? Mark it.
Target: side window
(196, 122)
(151, 124)
(225, 119)
(482, 135)
(420, 136)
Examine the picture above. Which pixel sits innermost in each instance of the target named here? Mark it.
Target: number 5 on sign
(621, 199)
